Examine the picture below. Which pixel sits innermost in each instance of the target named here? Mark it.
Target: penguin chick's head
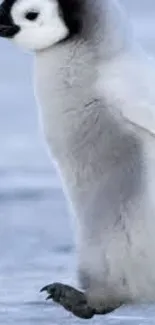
(38, 24)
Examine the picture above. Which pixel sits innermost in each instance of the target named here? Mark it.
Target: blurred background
(36, 243)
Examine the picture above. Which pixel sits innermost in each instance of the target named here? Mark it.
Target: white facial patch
(46, 30)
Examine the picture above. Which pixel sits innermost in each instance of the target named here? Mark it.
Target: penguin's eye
(31, 15)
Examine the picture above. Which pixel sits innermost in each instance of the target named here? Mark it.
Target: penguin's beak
(7, 27)
(8, 31)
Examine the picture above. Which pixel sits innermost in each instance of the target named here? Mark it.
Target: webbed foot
(71, 299)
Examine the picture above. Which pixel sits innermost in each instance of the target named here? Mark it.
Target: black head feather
(71, 11)
(7, 26)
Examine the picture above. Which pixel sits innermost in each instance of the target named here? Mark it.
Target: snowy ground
(35, 233)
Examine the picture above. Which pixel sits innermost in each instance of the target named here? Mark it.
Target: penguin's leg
(72, 299)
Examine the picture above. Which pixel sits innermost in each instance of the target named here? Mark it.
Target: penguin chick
(95, 88)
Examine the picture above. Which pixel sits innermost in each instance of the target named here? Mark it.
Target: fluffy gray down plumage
(96, 90)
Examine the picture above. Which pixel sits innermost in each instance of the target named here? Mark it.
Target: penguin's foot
(71, 299)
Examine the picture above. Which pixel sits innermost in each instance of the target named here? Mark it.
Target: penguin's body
(95, 87)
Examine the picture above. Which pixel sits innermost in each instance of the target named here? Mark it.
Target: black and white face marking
(38, 24)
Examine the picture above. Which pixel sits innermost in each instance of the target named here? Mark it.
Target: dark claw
(50, 288)
(54, 291)
(44, 288)
(49, 297)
